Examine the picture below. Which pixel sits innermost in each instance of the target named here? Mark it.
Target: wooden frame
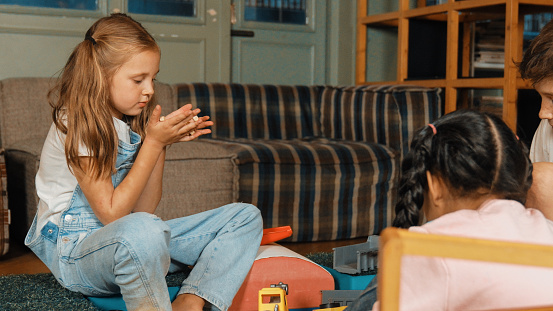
(396, 243)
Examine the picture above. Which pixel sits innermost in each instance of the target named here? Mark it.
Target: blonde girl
(100, 181)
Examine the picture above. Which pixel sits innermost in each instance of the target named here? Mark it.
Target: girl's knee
(252, 213)
(144, 231)
(253, 222)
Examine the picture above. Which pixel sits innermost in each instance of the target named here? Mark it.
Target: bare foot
(188, 302)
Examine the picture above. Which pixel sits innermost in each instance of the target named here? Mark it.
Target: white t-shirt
(54, 181)
(542, 143)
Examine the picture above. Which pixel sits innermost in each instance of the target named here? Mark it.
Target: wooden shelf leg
(361, 57)
(452, 51)
(513, 52)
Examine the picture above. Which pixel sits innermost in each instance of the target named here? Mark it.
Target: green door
(278, 41)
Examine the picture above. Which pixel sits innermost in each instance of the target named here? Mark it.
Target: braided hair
(471, 151)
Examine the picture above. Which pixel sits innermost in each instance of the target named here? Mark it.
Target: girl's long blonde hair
(81, 99)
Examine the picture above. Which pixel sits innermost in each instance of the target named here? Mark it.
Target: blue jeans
(132, 255)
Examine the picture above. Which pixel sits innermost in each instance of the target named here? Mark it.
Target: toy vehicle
(272, 299)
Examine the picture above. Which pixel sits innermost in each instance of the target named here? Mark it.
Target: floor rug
(42, 292)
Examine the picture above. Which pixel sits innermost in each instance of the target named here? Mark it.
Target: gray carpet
(28, 292)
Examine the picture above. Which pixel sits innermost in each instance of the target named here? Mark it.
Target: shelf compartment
(379, 64)
(428, 46)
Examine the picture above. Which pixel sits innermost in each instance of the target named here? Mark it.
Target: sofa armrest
(417, 106)
(22, 166)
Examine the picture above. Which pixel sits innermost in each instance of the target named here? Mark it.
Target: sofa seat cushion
(324, 189)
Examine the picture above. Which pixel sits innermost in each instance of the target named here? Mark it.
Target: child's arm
(149, 200)
(150, 197)
(109, 203)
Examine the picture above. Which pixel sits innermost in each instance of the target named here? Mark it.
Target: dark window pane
(90, 5)
(533, 23)
(163, 7)
(276, 11)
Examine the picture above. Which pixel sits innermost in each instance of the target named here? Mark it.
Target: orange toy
(275, 234)
(274, 264)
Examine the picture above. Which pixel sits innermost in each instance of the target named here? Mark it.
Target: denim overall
(132, 255)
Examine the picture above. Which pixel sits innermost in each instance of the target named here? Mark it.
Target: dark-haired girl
(468, 174)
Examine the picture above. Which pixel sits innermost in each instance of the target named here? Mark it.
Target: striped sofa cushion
(384, 114)
(324, 189)
(255, 111)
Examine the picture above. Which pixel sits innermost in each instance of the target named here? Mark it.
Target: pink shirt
(451, 284)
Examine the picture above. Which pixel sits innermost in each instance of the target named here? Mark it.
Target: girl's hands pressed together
(182, 124)
(195, 126)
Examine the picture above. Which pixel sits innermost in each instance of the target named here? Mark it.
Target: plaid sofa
(324, 160)
(321, 159)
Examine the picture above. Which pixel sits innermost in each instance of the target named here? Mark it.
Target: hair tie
(433, 128)
(89, 38)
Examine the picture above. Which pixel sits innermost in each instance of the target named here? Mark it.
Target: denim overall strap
(78, 221)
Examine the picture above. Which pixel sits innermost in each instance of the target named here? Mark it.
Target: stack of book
(490, 45)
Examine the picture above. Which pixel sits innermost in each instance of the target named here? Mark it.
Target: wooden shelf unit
(454, 13)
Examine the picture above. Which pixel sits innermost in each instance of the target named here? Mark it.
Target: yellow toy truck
(272, 299)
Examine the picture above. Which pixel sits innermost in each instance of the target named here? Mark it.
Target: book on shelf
(488, 66)
(489, 45)
(489, 39)
(495, 57)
